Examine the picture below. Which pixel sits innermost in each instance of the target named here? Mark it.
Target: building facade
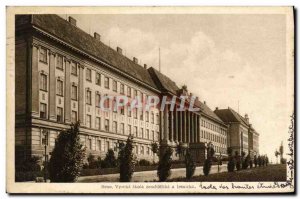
(62, 73)
(241, 135)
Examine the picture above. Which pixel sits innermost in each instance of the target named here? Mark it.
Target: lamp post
(45, 142)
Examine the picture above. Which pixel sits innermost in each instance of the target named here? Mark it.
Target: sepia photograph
(150, 100)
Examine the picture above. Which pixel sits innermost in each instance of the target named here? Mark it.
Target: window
(74, 92)
(106, 125)
(135, 93)
(88, 97)
(128, 111)
(43, 110)
(122, 110)
(114, 127)
(148, 150)
(122, 128)
(152, 133)
(88, 75)
(157, 118)
(115, 86)
(88, 121)
(142, 150)
(157, 135)
(152, 117)
(74, 69)
(98, 79)
(129, 129)
(122, 89)
(128, 91)
(99, 145)
(59, 114)
(142, 133)
(43, 55)
(59, 62)
(107, 145)
(147, 116)
(98, 99)
(60, 87)
(43, 82)
(98, 123)
(74, 116)
(135, 113)
(147, 133)
(90, 144)
(141, 115)
(135, 131)
(106, 82)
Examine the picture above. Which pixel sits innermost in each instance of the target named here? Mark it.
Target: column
(67, 92)
(192, 128)
(176, 126)
(180, 126)
(188, 127)
(184, 127)
(171, 125)
(161, 126)
(197, 129)
(166, 123)
(52, 87)
(34, 80)
(81, 95)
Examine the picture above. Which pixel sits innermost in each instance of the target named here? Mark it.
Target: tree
(155, 149)
(110, 160)
(126, 160)
(231, 163)
(281, 152)
(237, 160)
(164, 165)
(208, 161)
(67, 156)
(277, 154)
(255, 161)
(189, 165)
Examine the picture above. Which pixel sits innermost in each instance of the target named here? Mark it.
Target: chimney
(246, 117)
(72, 21)
(217, 108)
(119, 50)
(97, 36)
(145, 66)
(135, 60)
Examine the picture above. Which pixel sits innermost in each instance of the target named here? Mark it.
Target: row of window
(101, 145)
(213, 127)
(121, 129)
(212, 137)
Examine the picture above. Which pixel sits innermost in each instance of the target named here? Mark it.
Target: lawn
(269, 173)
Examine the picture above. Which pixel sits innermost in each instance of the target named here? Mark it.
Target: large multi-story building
(62, 73)
(241, 134)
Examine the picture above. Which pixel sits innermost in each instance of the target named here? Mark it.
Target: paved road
(145, 176)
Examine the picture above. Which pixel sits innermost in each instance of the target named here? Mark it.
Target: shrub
(231, 164)
(237, 161)
(144, 162)
(189, 165)
(206, 167)
(67, 156)
(92, 162)
(110, 160)
(164, 166)
(255, 161)
(251, 164)
(126, 159)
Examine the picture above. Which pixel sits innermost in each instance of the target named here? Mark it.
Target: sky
(231, 60)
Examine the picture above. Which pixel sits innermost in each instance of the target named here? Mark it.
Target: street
(147, 176)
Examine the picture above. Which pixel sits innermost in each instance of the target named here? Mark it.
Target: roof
(73, 35)
(163, 82)
(208, 112)
(230, 115)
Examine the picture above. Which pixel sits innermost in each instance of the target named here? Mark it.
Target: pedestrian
(255, 161)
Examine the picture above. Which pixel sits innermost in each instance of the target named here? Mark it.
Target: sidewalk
(144, 176)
